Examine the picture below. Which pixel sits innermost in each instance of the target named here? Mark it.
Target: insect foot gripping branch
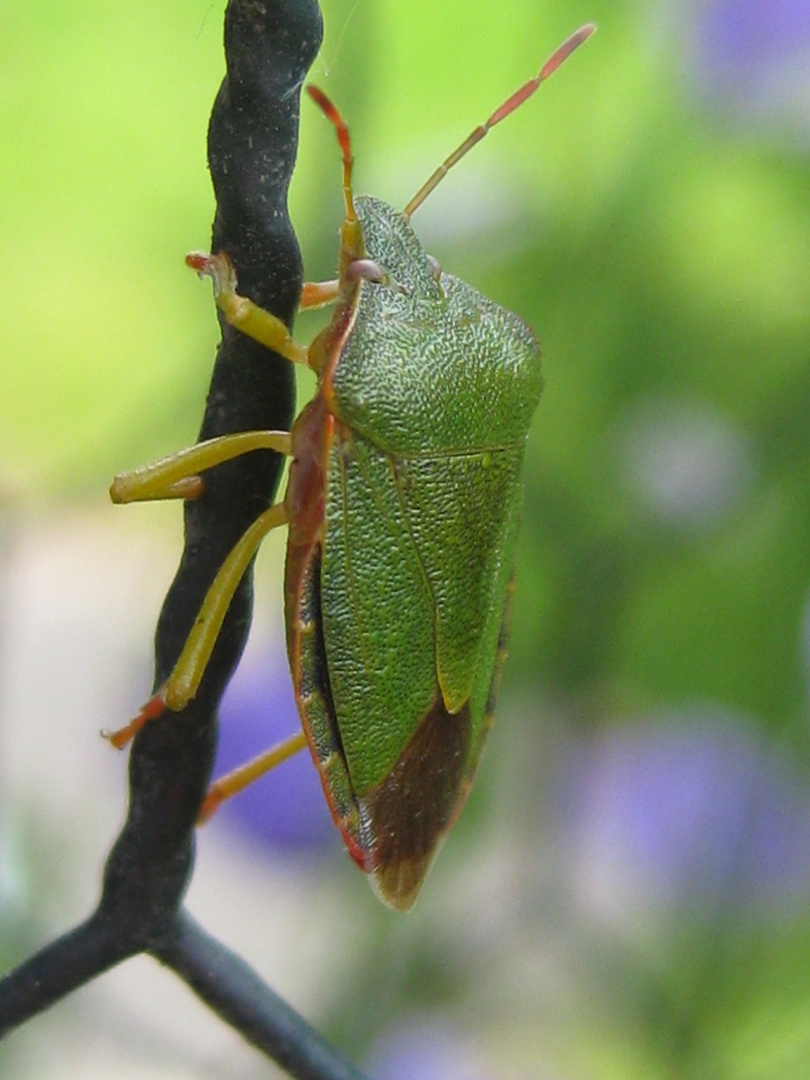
(402, 506)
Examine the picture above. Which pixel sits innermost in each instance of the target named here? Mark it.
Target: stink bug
(402, 503)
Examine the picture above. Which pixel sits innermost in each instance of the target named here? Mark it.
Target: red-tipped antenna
(557, 57)
(331, 113)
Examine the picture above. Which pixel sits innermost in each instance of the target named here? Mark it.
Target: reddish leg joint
(153, 708)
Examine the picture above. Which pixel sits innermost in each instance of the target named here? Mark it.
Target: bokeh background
(626, 895)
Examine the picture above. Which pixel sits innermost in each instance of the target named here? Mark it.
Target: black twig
(238, 995)
(252, 142)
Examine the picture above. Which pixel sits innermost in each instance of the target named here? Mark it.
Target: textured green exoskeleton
(396, 612)
(403, 504)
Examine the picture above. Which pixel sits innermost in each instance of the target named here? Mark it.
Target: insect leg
(238, 779)
(315, 294)
(177, 476)
(184, 681)
(243, 313)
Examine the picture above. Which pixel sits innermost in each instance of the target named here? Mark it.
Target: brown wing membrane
(410, 811)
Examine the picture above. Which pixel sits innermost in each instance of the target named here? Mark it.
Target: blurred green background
(626, 893)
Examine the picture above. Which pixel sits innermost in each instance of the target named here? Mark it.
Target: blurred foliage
(652, 221)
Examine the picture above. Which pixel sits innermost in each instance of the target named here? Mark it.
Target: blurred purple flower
(286, 808)
(429, 1050)
(693, 809)
(753, 52)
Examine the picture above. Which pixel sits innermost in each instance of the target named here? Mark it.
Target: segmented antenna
(515, 101)
(331, 113)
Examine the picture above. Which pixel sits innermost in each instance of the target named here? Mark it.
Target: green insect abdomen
(411, 649)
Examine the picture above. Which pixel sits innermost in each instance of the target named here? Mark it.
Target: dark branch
(253, 137)
(238, 995)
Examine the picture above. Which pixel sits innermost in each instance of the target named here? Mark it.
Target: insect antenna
(557, 57)
(352, 246)
(331, 113)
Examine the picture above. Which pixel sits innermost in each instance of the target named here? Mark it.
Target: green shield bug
(402, 504)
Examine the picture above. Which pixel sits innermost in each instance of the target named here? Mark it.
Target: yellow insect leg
(177, 476)
(184, 681)
(238, 779)
(241, 312)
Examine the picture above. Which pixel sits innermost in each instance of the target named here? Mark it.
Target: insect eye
(435, 266)
(366, 270)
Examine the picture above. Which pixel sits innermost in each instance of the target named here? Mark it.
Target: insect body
(397, 588)
(402, 503)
